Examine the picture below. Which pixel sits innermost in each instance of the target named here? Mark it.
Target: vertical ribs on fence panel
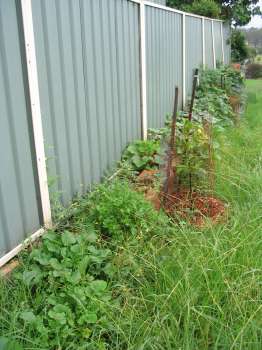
(164, 62)
(194, 49)
(208, 44)
(226, 38)
(218, 41)
(88, 66)
(19, 212)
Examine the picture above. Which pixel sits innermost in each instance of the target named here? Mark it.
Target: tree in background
(238, 12)
(252, 53)
(206, 8)
(239, 47)
(254, 37)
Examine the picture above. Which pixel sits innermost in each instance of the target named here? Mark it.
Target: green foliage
(118, 211)
(196, 149)
(192, 149)
(224, 78)
(208, 8)
(252, 53)
(212, 99)
(254, 71)
(161, 133)
(239, 47)
(240, 12)
(237, 12)
(68, 294)
(213, 92)
(142, 154)
(234, 80)
(215, 104)
(254, 37)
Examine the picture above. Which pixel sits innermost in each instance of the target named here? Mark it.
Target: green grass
(175, 286)
(204, 289)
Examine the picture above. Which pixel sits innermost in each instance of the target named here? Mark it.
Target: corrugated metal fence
(101, 72)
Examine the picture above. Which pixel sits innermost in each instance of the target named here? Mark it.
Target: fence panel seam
(34, 95)
(213, 44)
(203, 42)
(143, 82)
(222, 40)
(184, 58)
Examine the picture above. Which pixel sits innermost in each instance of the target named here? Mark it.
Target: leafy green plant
(161, 134)
(234, 80)
(118, 211)
(216, 104)
(142, 154)
(214, 91)
(223, 78)
(66, 278)
(192, 150)
(239, 47)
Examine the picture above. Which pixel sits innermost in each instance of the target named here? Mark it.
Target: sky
(256, 20)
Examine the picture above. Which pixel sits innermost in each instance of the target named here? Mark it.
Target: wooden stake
(171, 172)
(193, 95)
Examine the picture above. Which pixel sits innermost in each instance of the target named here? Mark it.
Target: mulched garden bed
(196, 208)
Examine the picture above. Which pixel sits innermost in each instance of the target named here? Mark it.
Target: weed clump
(118, 211)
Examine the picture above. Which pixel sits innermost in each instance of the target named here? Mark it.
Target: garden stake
(190, 118)
(193, 95)
(223, 81)
(171, 173)
(207, 124)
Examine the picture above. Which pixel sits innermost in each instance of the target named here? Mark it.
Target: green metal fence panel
(209, 60)
(226, 38)
(194, 49)
(164, 63)
(19, 212)
(88, 67)
(218, 41)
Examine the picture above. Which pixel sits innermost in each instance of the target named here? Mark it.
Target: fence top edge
(165, 8)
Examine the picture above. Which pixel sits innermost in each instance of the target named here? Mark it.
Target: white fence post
(203, 42)
(184, 58)
(27, 19)
(222, 39)
(213, 45)
(143, 82)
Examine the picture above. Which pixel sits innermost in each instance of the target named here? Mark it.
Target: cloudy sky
(256, 20)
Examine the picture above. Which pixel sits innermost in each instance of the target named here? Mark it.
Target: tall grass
(202, 288)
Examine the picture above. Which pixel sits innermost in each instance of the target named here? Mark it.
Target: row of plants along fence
(67, 290)
(182, 155)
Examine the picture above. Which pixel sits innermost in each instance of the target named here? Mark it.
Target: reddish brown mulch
(196, 208)
(153, 197)
(147, 177)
